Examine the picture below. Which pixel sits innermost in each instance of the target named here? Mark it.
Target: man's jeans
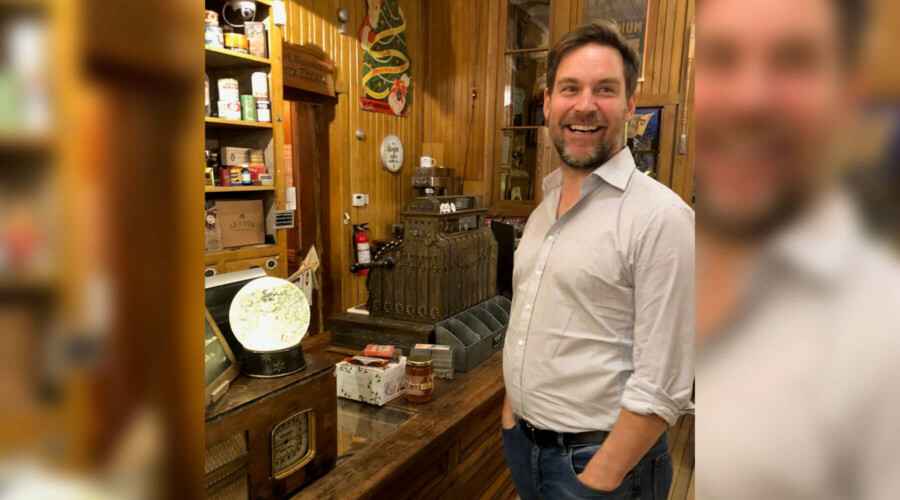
(552, 472)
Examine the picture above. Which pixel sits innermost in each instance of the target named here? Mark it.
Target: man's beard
(752, 227)
(598, 155)
(786, 198)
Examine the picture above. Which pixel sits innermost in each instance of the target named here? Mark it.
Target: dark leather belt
(546, 439)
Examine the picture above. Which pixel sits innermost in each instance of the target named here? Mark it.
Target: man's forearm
(507, 419)
(631, 438)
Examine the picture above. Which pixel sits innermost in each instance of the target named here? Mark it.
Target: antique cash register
(435, 285)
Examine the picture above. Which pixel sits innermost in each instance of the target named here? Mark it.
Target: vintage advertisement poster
(386, 75)
(632, 17)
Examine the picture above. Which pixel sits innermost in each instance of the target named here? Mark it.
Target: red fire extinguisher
(361, 245)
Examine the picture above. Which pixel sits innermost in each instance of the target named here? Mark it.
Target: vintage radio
(269, 437)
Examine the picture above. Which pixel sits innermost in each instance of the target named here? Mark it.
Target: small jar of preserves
(419, 378)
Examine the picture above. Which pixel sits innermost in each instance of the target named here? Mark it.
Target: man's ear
(546, 105)
(630, 106)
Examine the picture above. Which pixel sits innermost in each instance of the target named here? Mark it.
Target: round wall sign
(392, 153)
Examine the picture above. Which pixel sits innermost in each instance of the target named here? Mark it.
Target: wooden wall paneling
(491, 100)
(661, 80)
(683, 165)
(354, 166)
(561, 18)
(679, 44)
(653, 67)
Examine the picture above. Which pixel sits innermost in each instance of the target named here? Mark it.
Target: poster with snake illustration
(386, 75)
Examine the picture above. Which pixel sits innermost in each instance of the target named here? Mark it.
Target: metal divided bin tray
(476, 333)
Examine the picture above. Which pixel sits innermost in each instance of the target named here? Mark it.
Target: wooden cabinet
(265, 136)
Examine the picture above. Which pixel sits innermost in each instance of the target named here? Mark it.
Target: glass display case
(526, 48)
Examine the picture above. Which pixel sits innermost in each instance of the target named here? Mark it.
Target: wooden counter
(451, 448)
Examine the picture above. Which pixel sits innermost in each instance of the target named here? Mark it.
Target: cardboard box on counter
(370, 384)
(241, 222)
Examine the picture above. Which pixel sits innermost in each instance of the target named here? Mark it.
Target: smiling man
(599, 352)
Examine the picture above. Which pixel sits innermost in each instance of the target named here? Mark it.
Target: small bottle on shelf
(213, 163)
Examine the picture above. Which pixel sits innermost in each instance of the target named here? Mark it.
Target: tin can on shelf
(256, 38)
(259, 82)
(224, 177)
(248, 108)
(235, 176)
(212, 18)
(215, 37)
(229, 90)
(236, 42)
(230, 110)
(263, 110)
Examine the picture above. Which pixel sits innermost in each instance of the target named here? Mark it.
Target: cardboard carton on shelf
(241, 222)
(233, 156)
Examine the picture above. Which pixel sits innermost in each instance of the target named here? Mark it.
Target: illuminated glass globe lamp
(269, 317)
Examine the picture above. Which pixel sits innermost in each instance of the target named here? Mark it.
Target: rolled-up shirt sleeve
(663, 355)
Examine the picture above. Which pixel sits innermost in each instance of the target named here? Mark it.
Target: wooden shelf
(235, 124)
(27, 283)
(25, 142)
(238, 189)
(219, 58)
(249, 252)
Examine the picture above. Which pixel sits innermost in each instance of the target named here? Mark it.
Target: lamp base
(271, 364)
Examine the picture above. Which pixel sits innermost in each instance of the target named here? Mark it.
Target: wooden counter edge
(372, 470)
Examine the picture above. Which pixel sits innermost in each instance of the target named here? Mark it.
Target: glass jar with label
(419, 378)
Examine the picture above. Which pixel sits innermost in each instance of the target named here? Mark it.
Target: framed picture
(643, 139)
(643, 129)
(221, 365)
(632, 17)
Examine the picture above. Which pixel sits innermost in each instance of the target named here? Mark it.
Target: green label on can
(248, 108)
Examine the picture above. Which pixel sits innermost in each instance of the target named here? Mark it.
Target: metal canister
(212, 18)
(260, 83)
(237, 42)
(248, 108)
(230, 110)
(263, 110)
(229, 90)
(215, 37)
(224, 177)
(236, 176)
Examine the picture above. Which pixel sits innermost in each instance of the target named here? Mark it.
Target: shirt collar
(821, 243)
(615, 172)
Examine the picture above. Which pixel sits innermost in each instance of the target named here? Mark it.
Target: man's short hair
(854, 18)
(601, 33)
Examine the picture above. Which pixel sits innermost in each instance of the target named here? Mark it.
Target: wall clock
(392, 153)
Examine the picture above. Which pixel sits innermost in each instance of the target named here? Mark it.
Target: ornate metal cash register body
(445, 264)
